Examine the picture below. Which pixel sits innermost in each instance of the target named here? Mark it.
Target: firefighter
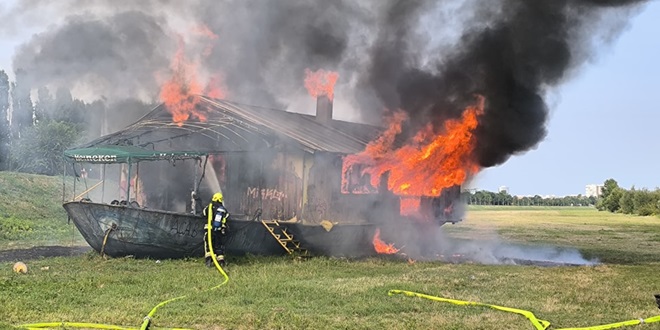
(218, 214)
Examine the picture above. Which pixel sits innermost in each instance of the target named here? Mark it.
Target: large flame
(321, 82)
(179, 90)
(382, 247)
(433, 160)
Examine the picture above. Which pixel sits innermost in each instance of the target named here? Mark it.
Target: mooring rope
(537, 323)
(105, 238)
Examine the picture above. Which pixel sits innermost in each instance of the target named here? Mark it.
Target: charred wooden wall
(271, 182)
(296, 185)
(324, 199)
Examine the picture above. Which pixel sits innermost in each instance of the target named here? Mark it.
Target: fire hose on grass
(147, 319)
(537, 323)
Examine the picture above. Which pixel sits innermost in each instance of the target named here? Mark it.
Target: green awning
(109, 154)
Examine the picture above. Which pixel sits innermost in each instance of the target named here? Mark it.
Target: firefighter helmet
(217, 197)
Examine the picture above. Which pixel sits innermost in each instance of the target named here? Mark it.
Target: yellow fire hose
(537, 323)
(147, 319)
(67, 325)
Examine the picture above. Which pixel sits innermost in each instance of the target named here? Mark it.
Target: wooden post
(128, 183)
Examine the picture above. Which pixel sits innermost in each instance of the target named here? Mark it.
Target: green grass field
(31, 211)
(327, 293)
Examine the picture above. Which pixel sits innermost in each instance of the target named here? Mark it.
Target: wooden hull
(160, 234)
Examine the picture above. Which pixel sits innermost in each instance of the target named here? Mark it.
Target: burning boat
(279, 172)
(283, 174)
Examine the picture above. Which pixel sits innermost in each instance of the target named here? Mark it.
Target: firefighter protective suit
(218, 214)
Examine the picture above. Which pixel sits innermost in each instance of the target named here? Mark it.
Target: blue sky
(604, 123)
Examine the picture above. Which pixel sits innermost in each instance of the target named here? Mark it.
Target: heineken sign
(95, 158)
(108, 154)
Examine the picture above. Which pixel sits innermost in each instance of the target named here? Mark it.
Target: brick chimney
(323, 108)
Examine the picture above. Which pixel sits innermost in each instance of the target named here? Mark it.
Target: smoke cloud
(116, 57)
(428, 58)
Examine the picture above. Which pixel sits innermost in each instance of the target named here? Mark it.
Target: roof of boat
(226, 126)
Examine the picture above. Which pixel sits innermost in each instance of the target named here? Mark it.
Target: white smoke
(438, 244)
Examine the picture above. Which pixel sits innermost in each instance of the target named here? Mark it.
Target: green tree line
(483, 197)
(37, 124)
(629, 201)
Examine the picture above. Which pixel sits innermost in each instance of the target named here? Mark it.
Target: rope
(537, 323)
(105, 239)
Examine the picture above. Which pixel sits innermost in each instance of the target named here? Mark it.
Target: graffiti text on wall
(184, 228)
(265, 193)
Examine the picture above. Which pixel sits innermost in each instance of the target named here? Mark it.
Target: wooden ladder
(285, 238)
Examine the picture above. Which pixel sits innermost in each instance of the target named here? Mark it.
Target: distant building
(503, 189)
(594, 190)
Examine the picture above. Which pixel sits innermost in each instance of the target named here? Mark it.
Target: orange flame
(416, 207)
(204, 31)
(409, 205)
(382, 247)
(321, 82)
(215, 88)
(179, 91)
(426, 165)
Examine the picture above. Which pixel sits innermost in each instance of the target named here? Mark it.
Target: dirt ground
(42, 252)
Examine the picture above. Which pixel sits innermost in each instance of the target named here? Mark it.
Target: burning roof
(225, 126)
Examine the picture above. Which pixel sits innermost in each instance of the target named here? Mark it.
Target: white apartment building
(593, 190)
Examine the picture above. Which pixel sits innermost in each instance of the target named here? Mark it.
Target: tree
(593, 200)
(644, 202)
(41, 150)
(487, 198)
(609, 186)
(504, 198)
(466, 196)
(611, 203)
(62, 110)
(22, 108)
(4, 121)
(626, 201)
(95, 119)
(44, 108)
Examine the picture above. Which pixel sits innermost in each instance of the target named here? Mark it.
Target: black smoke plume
(526, 48)
(429, 58)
